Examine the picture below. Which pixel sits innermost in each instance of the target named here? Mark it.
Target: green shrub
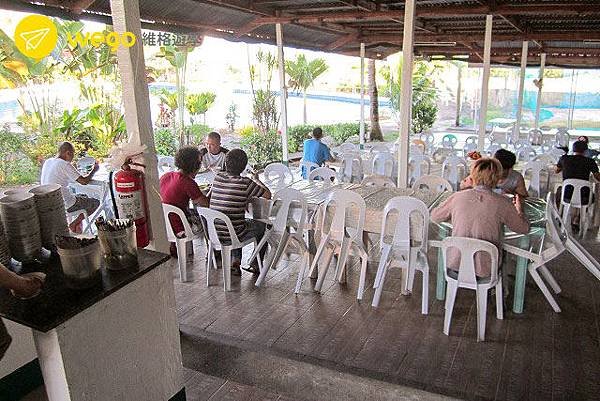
(247, 131)
(340, 132)
(262, 148)
(297, 134)
(197, 133)
(165, 142)
(15, 168)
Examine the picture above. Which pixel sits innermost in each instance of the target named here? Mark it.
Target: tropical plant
(197, 133)
(376, 134)
(199, 103)
(297, 134)
(264, 106)
(14, 168)
(303, 74)
(262, 148)
(165, 142)
(107, 125)
(231, 117)
(341, 132)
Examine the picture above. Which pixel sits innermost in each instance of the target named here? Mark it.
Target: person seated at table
(60, 170)
(576, 166)
(481, 213)
(213, 154)
(511, 181)
(231, 194)
(591, 153)
(315, 151)
(22, 287)
(178, 188)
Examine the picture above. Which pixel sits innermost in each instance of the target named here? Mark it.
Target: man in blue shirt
(315, 151)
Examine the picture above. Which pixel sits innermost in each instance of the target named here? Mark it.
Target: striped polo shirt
(230, 194)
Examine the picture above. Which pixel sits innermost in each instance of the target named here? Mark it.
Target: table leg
(520, 277)
(440, 292)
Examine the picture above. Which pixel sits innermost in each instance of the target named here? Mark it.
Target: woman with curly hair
(177, 188)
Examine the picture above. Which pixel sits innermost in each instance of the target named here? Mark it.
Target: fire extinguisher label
(130, 205)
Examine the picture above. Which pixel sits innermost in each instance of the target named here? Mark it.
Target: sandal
(252, 269)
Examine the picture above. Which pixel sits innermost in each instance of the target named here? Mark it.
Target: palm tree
(303, 74)
(376, 134)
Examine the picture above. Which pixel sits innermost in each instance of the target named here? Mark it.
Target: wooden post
(524, 52)
(540, 84)
(136, 101)
(406, 95)
(458, 91)
(362, 95)
(282, 92)
(487, 47)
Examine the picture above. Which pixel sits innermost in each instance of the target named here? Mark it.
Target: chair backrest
(285, 199)
(577, 185)
(306, 167)
(556, 153)
(351, 167)
(434, 183)
(323, 173)
(380, 147)
(535, 136)
(378, 181)
(468, 247)
(210, 216)
(499, 135)
(405, 207)
(347, 147)
(449, 141)
(277, 172)
(416, 165)
(493, 148)
(535, 169)
(525, 153)
(472, 139)
(450, 169)
(416, 150)
(383, 163)
(521, 143)
(344, 200)
(166, 164)
(427, 137)
(469, 147)
(546, 146)
(562, 138)
(417, 144)
(172, 235)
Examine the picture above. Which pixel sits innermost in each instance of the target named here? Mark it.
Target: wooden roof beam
(78, 6)
(344, 40)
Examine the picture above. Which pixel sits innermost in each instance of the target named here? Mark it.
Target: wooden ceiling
(568, 31)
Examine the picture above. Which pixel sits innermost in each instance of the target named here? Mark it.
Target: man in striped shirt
(230, 194)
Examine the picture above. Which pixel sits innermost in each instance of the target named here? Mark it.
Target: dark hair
(506, 158)
(583, 138)
(317, 133)
(187, 159)
(65, 147)
(236, 161)
(214, 135)
(579, 147)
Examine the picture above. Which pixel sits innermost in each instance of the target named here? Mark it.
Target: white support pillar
(487, 47)
(406, 92)
(524, 52)
(136, 100)
(282, 92)
(540, 84)
(362, 95)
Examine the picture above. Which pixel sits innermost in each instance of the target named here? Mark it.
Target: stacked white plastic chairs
(383, 163)
(454, 169)
(535, 137)
(420, 165)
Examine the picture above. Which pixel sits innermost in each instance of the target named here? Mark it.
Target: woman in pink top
(481, 213)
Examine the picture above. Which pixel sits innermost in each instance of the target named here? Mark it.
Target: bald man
(59, 170)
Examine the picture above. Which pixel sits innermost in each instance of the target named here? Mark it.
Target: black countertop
(57, 303)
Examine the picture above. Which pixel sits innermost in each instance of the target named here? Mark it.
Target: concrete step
(287, 374)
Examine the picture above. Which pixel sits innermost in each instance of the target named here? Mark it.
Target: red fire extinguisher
(130, 200)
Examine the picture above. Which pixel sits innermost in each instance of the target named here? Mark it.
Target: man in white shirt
(59, 170)
(213, 154)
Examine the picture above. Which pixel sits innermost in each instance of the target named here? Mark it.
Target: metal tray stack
(51, 212)
(22, 226)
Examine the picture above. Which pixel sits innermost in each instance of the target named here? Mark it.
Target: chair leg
(180, 243)
(550, 279)
(342, 258)
(261, 244)
(363, 276)
(322, 274)
(210, 259)
(425, 292)
(226, 255)
(499, 300)
(481, 313)
(451, 288)
(542, 286)
(304, 264)
(313, 267)
(385, 254)
(281, 246)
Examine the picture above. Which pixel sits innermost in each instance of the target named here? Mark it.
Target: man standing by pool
(316, 151)
(213, 154)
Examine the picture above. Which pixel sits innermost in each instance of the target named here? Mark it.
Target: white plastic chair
(183, 249)
(429, 140)
(535, 169)
(562, 138)
(469, 147)
(340, 239)
(351, 169)
(383, 164)
(277, 173)
(86, 223)
(378, 181)
(449, 141)
(279, 234)
(380, 147)
(323, 173)
(521, 143)
(347, 147)
(525, 153)
(535, 137)
(472, 140)
(576, 203)
(468, 247)
(555, 153)
(451, 170)
(166, 164)
(307, 167)
(411, 257)
(214, 243)
(546, 146)
(434, 183)
(416, 163)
